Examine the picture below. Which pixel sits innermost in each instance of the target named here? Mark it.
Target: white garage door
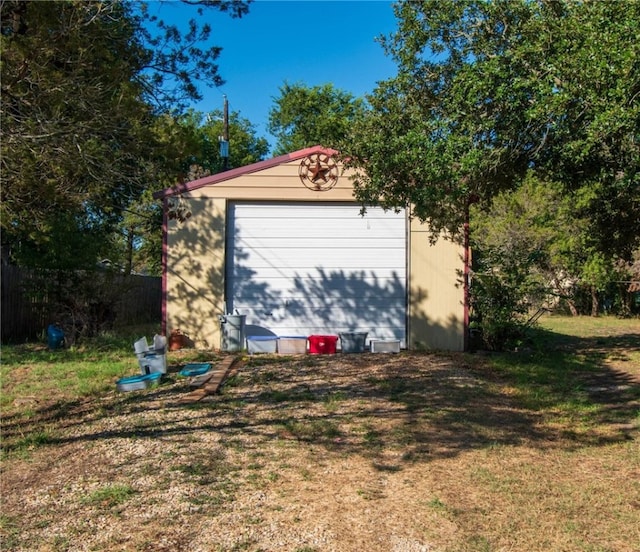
(303, 269)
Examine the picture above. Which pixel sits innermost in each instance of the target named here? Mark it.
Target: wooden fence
(26, 315)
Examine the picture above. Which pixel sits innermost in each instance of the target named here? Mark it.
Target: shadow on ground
(566, 393)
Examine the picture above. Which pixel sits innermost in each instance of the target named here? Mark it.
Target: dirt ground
(345, 453)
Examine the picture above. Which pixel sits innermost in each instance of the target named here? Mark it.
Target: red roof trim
(233, 173)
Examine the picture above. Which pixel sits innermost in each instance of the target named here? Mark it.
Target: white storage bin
(141, 346)
(261, 344)
(385, 345)
(152, 363)
(154, 360)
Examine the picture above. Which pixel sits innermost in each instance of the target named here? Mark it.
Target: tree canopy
(82, 85)
(305, 116)
(245, 146)
(536, 230)
(190, 150)
(487, 92)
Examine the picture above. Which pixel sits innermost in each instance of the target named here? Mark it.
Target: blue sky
(313, 42)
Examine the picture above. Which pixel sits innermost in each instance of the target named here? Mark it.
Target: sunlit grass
(35, 372)
(109, 496)
(590, 326)
(32, 373)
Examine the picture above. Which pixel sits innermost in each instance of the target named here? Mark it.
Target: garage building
(284, 242)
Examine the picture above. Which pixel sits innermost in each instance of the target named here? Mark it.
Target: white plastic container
(136, 383)
(159, 344)
(141, 346)
(261, 344)
(154, 360)
(152, 363)
(385, 345)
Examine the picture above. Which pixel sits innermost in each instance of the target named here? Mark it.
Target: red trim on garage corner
(467, 261)
(165, 233)
(466, 287)
(233, 173)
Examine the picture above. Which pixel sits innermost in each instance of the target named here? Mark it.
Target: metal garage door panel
(353, 259)
(282, 282)
(313, 228)
(317, 268)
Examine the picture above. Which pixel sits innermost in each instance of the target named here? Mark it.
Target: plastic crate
(385, 345)
(353, 342)
(261, 344)
(322, 344)
(195, 369)
(137, 383)
(292, 344)
(151, 363)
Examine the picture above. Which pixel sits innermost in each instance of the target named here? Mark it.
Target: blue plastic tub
(195, 369)
(137, 383)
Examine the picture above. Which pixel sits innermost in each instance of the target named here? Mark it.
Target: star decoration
(318, 172)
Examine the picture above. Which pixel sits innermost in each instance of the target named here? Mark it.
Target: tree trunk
(625, 298)
(572, 307)
(129, 253)
(595, 304)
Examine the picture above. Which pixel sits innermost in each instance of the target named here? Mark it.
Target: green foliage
(535, 228)
(136, 245)
(205, 129)
(502, 292)
(174, 60)
(307, 116)
(487, 94)
(186, 148)
(71, 114)
(83, 85)
(487, 91)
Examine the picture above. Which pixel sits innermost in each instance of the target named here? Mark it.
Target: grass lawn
(534, 450)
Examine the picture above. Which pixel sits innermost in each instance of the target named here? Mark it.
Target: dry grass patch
(533, 451)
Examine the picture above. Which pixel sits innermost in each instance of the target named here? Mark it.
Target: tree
(488, 91)
(72, 116)
(82, 83)
(307, 116)
(175, 61)
(534, 236)
(189, 147)
(245, 147)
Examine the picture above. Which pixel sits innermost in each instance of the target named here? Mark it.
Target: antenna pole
(224, 142)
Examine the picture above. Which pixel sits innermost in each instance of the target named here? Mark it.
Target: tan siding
(436, 309)
(195, 275)
(275, 183)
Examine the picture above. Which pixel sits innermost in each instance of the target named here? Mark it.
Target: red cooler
(323, 344)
